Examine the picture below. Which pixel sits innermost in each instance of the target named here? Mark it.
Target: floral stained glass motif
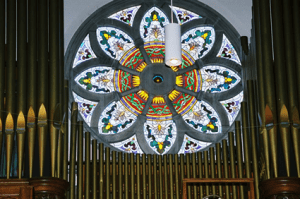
(227, 51)
(152, 25)
(191, 145)
(190, 80)
(84, 52)
(160, 135)
(159, 110)
(98, 79)
(126, 15)
(232, 106)
(114, 42)
(184, 16)
(198, 41)
(85, 108)
(129, 145)
(182, 102)
(202, 117)
(217, 79)
(115, 118)
(133, 59)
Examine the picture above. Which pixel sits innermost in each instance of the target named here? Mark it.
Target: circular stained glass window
(131, 101)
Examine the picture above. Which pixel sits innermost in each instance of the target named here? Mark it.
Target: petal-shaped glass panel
(114, 42)
(232, 106)
(160, 135)
(129, 145)
(152, 25)
(182, 102)
(198, 41)
(134, 103)
(184, 16)
(126, 16)
(133, 59)
(227, 51)
(85, 108)
(216, 79)
(98, 79)
(190, 80)
(115, 118)
(191, 145)
(202, 117)
(124, 81)
(159, 110)
(84, 52)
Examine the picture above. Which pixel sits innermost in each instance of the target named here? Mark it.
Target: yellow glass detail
(136, 81)
(158, 100)
(179, 80)
(174, 94)
(143, 94)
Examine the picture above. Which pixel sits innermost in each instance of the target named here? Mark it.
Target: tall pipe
(155, 175)
(144, 176)
(149, 159)
(132, 175)
(31, 128)
(138, 175)
(232, 162)
(246, 142)
(120, 167)
(73, 145)
(22, 55)
(42, 78)
(107, 172)
(11, 57)
(114, 175)
(65, 131)
(20, 141)
(239, 150)
(212, 167)
(252, 117)
(171, 176)
(182, 170)
(296, 39)
(200, 169)
(165, 175)
(1, 138)
(206, 172)
(9, 130)
(94, 162)
(225, 164)
(126, 176)
(53, 75)
(61, 53)
(80, 161)
(160, 178)
(194, 173)
(176, 176)
(87, 164)
(101, 170)
(2, 67)
(42, 136)
(188, 173)
(219, 167)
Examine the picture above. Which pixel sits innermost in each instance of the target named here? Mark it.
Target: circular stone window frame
(100, 19)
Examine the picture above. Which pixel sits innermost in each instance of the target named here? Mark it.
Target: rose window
(130, 100)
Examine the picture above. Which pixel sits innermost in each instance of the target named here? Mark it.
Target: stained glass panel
(115, 118)
(190, 80)
(159, 110)
(98, 79)
(198, 41)
(232, 106)
(152, 25)
(227, 51)
(160, 135)
(134, 103)
(114, 42)
(85, 108)
(126, 15)
(191, 145)
(129, 145)
(202, 117)
(217, 79)
(84, 52)
(124, 81)
(133, 59)
(182, 102)
(184, 16)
